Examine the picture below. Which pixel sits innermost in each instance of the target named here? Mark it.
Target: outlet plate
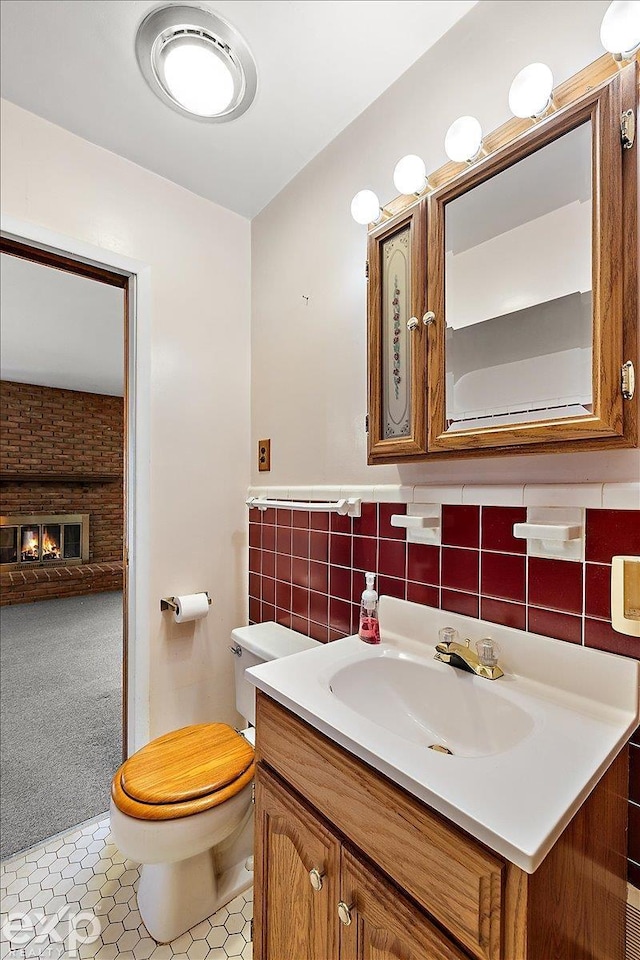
(264, 455)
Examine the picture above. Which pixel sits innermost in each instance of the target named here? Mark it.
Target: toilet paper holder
(169, 603)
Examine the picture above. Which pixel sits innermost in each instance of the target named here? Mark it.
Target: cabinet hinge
(251, 933)
(628, 380)
(366, 424)
(366, 269)
(628, 129)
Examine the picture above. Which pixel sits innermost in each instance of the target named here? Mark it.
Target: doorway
(63, 538)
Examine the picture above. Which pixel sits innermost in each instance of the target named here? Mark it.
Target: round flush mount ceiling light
(620, 29)
(197, 63)
(531, 92)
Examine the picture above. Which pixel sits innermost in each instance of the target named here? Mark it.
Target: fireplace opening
(30, 544)
(44, 540)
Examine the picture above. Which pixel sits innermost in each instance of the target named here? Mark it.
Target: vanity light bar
(530, 95)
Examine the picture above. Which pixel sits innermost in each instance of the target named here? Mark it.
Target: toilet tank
(257, 644)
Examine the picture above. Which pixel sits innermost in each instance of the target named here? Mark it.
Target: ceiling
(59, 329)
(320, 64)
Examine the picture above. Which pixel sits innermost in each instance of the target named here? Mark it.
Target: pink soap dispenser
(369, 629)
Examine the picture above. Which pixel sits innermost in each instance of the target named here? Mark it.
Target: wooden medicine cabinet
(503, 304)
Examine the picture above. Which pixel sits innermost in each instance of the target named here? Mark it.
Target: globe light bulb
(530, 93)
(463, 141)
(620, 28)
(410, 175)
(365, 207)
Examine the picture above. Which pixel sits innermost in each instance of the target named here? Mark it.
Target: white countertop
(582, 704)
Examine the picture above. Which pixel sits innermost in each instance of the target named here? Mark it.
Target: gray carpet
(60, 733)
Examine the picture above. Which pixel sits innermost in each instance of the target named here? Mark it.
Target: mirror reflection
(518, 285)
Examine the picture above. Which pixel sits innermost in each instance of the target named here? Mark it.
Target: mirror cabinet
(503, 304)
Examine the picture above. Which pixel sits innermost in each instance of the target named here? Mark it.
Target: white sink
(526, 750)
(431, 704)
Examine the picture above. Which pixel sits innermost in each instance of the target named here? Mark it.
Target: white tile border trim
(610, 496)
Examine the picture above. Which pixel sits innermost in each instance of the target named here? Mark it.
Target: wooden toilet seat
(184, 772)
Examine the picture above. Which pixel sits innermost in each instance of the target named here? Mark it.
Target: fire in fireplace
(43, 540)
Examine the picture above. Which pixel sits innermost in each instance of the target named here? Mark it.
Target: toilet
(182, 805)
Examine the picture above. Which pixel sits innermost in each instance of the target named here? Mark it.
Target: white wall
(199, 255)
(309, 361)
(60, 329)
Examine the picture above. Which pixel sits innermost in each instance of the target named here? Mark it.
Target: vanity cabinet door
(396, 259)
(384, 924)
(293, 919)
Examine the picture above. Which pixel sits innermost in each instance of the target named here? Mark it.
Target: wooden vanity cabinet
(414, 885)
(294, 919)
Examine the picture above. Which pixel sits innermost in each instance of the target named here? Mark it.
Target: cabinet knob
(429, 318)
(316, 878)
(413, 323)
(344, 913)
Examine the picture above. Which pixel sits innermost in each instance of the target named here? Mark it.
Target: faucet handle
(488, 651)
(448, 635)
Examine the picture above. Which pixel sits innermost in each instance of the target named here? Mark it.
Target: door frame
(69, 253)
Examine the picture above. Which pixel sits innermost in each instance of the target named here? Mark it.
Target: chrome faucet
(484, 663)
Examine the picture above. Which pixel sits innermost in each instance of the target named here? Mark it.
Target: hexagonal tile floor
(74, 897)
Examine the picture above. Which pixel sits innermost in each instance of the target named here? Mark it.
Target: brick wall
(47, 432)
(306, 571)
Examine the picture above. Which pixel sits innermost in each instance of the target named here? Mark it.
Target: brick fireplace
(61, 492)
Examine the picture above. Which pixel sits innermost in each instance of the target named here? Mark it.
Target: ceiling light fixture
(531, 93)
(197, 63)
(620, 29)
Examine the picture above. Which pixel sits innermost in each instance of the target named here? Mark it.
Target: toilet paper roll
(193, 606)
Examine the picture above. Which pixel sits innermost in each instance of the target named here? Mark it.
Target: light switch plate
(264, 455)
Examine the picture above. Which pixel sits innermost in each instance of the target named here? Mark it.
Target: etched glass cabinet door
(397, 358)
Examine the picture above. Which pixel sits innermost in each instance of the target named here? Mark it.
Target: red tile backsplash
(612, 532)
(367, 524)
(508, 614)
(423, 593)
(460, 569)
(456, 602)
(597, 601)
(503, 576)
(392, 561)
(268, 535)
(497, 529)
(555, 584)
(460, 526)
(340, 549)
(388, 510)
(307, 572)
(601, 635)
(319, 546)
(365, 553)
(551, 623)
(423, 563)
(340, 583)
